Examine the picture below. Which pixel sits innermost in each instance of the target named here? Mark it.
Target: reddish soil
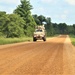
(56, 56)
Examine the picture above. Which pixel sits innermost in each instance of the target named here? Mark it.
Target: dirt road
(56, 56)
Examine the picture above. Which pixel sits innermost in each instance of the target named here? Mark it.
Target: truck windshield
(38, 31)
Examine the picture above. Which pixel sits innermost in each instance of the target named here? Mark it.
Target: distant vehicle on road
(40, 33)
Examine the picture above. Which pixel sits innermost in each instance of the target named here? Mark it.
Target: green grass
(72, 37)
(13, 40)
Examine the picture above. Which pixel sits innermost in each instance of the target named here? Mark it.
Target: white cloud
(7, 10)
(41, 9)
(47, 1)
(71, 2)
(63, 16)
(10, 1)
(66, 12)
(8, 5)
(50, 1)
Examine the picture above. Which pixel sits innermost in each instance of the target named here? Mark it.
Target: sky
(60, 11)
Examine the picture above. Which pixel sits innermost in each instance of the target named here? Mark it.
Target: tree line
(54, 28)
(22, 23)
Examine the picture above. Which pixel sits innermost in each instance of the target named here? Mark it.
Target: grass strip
(72, 37)
(14, 40)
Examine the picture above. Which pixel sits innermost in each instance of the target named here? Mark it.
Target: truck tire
(44, 39)
(34, 39)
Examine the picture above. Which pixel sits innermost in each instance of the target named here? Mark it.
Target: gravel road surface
(56, 56)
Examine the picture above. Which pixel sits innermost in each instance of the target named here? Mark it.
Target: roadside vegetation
(14, 40)
(72, 37)
(21, 23)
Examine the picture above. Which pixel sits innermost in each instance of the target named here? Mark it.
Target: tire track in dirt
(34, 52)
(55, 64)
(34, 67)
(38, 58)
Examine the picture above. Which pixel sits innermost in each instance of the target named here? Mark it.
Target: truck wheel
(34, 39)
(44, 39)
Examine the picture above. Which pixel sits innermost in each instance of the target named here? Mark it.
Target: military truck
(40, 33)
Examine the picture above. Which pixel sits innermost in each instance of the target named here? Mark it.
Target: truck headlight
(35, 35)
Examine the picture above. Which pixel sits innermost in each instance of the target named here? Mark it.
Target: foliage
(3, 19)
(72, 39)
(49, 27)
(74, 28)
(62, 28)
(13, 26)
(14, 40)
(36, 19)
(70, 29)
(24, 11)
(41, 19)
(55, 28)
(20, 23)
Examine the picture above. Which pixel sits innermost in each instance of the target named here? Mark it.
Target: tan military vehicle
(40, 33)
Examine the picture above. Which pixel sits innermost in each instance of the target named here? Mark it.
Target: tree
(36, 19)
(62, 28)
(41, 19)
(24, 11)
(13, 26)
(2, 19)
(70, 29)
(74, 29)
(55, 28)
(49, 27)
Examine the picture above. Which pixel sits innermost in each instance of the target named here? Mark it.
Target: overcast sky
(60, 11)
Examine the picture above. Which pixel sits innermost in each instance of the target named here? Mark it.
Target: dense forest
(22, 23)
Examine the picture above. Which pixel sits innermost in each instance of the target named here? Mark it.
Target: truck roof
(40, 27)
